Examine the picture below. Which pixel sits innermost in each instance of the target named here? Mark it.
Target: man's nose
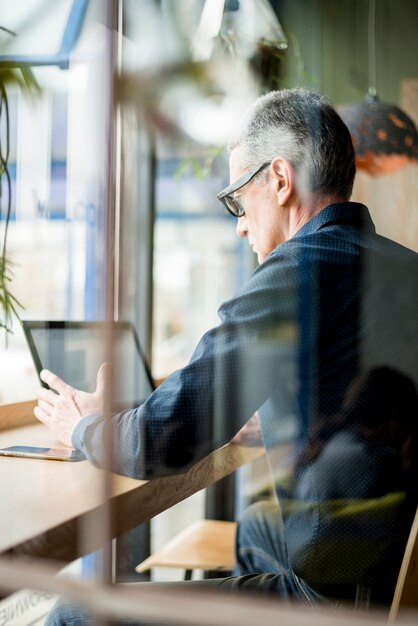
(241, 227)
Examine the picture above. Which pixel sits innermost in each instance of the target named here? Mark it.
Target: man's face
(262, 220)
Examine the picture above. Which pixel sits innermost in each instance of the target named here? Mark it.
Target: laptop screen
(75, 350)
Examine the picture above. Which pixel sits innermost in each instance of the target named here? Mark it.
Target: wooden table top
(45, 504)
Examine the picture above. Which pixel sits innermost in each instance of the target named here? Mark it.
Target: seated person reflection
(359, 470)
(330, 302)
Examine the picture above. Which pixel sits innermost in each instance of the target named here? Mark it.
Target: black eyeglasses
(226, 196)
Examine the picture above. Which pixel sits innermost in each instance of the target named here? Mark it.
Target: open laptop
(75, 350)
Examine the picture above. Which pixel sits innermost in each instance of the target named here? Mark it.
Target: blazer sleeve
(233, 370)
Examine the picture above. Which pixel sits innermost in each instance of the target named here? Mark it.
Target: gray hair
(303, 127)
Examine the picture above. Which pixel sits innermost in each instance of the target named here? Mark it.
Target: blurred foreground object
(211, 60)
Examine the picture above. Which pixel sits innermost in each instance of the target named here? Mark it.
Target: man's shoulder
(321, 244)
(342, 255)
(327, 241)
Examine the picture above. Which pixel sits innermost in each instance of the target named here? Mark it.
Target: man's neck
(302, 212)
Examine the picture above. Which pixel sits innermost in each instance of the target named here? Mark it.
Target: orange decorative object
(384, 137)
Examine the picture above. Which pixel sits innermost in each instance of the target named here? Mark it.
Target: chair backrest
(406, 592)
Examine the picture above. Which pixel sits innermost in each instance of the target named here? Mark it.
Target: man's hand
(62, 411)
(250, 434)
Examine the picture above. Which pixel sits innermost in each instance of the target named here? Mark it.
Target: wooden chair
(209, 545)
(406, 592)
(206, 545)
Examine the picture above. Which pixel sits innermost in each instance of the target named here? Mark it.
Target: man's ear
(284, 179)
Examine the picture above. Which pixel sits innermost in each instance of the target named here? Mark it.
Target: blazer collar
(348, 213)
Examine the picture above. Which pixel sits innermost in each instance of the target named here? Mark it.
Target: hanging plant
(9, 305)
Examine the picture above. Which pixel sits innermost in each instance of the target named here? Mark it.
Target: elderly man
(320, 343)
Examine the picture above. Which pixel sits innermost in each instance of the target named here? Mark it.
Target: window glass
(199, 262)
(114, 210)
(58, 184)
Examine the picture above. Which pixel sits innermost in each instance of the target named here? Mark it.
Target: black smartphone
(53, 454)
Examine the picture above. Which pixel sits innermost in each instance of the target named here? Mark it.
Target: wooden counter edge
(139, 504)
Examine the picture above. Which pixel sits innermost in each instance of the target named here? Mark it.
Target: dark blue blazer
(321, 342)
